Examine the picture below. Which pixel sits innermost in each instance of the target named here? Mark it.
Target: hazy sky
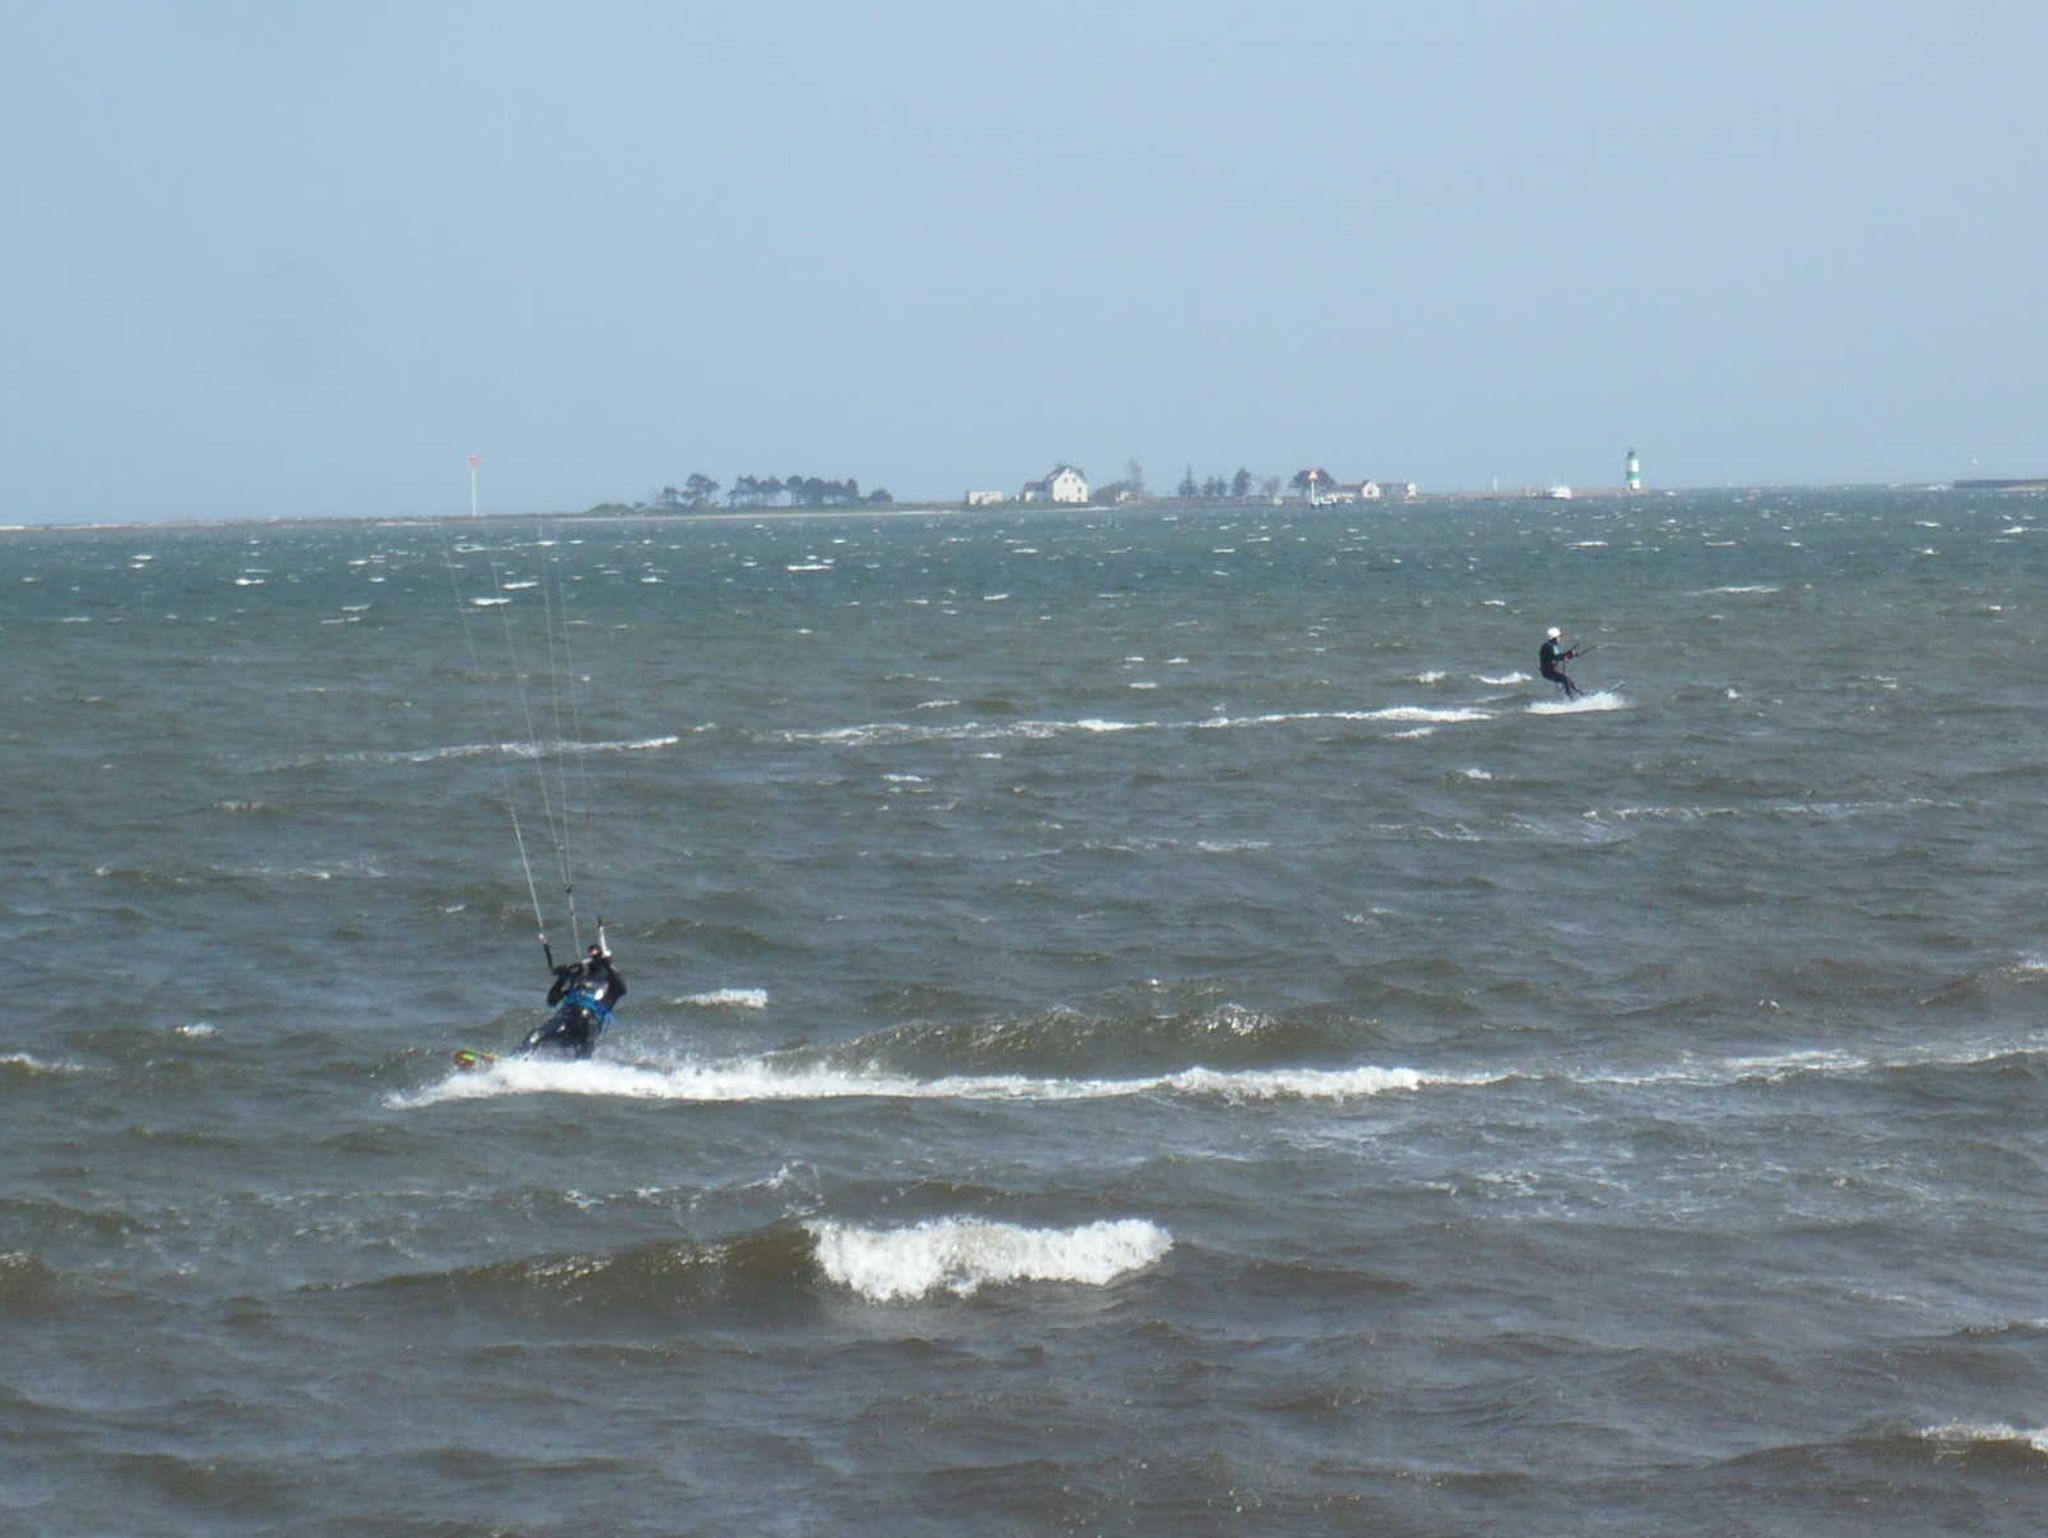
(273, 258)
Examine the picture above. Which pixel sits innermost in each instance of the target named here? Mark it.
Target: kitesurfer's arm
(618, 987)
(560, 985)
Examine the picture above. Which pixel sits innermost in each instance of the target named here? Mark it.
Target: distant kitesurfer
(586, 992)
(1551, 656)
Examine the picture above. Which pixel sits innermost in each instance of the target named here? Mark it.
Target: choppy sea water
(1138, 1023)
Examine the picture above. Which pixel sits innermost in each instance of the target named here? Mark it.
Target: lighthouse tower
(1633, 475)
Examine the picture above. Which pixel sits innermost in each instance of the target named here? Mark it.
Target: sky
(268, 259)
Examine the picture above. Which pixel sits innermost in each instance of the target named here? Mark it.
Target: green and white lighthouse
(1632, 473)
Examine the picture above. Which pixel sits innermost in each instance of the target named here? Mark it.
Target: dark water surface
(1139, 1024)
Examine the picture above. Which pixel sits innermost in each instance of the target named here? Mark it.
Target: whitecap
(759, 1079)
(1965, 1434)
(963, 1255)
(727, 998)
(1585, 704)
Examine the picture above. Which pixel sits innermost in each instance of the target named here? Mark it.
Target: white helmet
(1552, 633)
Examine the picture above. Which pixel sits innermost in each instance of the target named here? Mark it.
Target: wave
(727, 998)
(31, 1066)
(479, 750)
(961, 1256)
(758, 1080)
(1819, 1062)
(27, 1284)
(880, 733)
(179, 873)
(1589, 702)
(782, 1265)
(1963, 1436)
(661, 1278)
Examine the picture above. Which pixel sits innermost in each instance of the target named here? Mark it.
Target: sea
(1140, 1021)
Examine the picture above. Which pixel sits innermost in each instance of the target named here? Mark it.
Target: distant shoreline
(609, 513)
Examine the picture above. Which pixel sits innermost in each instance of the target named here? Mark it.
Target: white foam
(728, 998)
(29, 1063)
(485, 749)
(1585, 704)
(1828, 1062)
(963, 1255)
(1963, 1434)
(763, 1080)
(1424, 713)
(886, 732)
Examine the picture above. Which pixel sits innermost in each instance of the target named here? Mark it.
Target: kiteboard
(469, 1061)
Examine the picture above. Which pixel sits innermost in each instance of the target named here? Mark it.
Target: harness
(591, 1004)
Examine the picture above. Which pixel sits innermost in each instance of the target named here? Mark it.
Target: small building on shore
(1065, 484)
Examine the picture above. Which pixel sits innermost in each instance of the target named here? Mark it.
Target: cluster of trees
(1239, 486)
(700, 491)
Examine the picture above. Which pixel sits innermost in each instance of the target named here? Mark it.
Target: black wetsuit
(1548, 659)
(586, 992)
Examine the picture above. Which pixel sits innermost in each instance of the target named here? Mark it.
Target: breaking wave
(783, 1265)
(961, 1256)
(1586, 704)
(762, 1080)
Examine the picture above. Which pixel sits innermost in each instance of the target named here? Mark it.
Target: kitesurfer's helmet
(1552, 634)
(597, 953)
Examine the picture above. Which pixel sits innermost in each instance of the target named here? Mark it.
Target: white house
(1065, 484)
(986, 499)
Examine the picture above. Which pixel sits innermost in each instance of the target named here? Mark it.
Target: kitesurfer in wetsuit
(586, 991)
(1550, 658)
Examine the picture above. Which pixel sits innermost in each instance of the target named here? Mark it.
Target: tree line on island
(1215, 487)
(701, 491)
